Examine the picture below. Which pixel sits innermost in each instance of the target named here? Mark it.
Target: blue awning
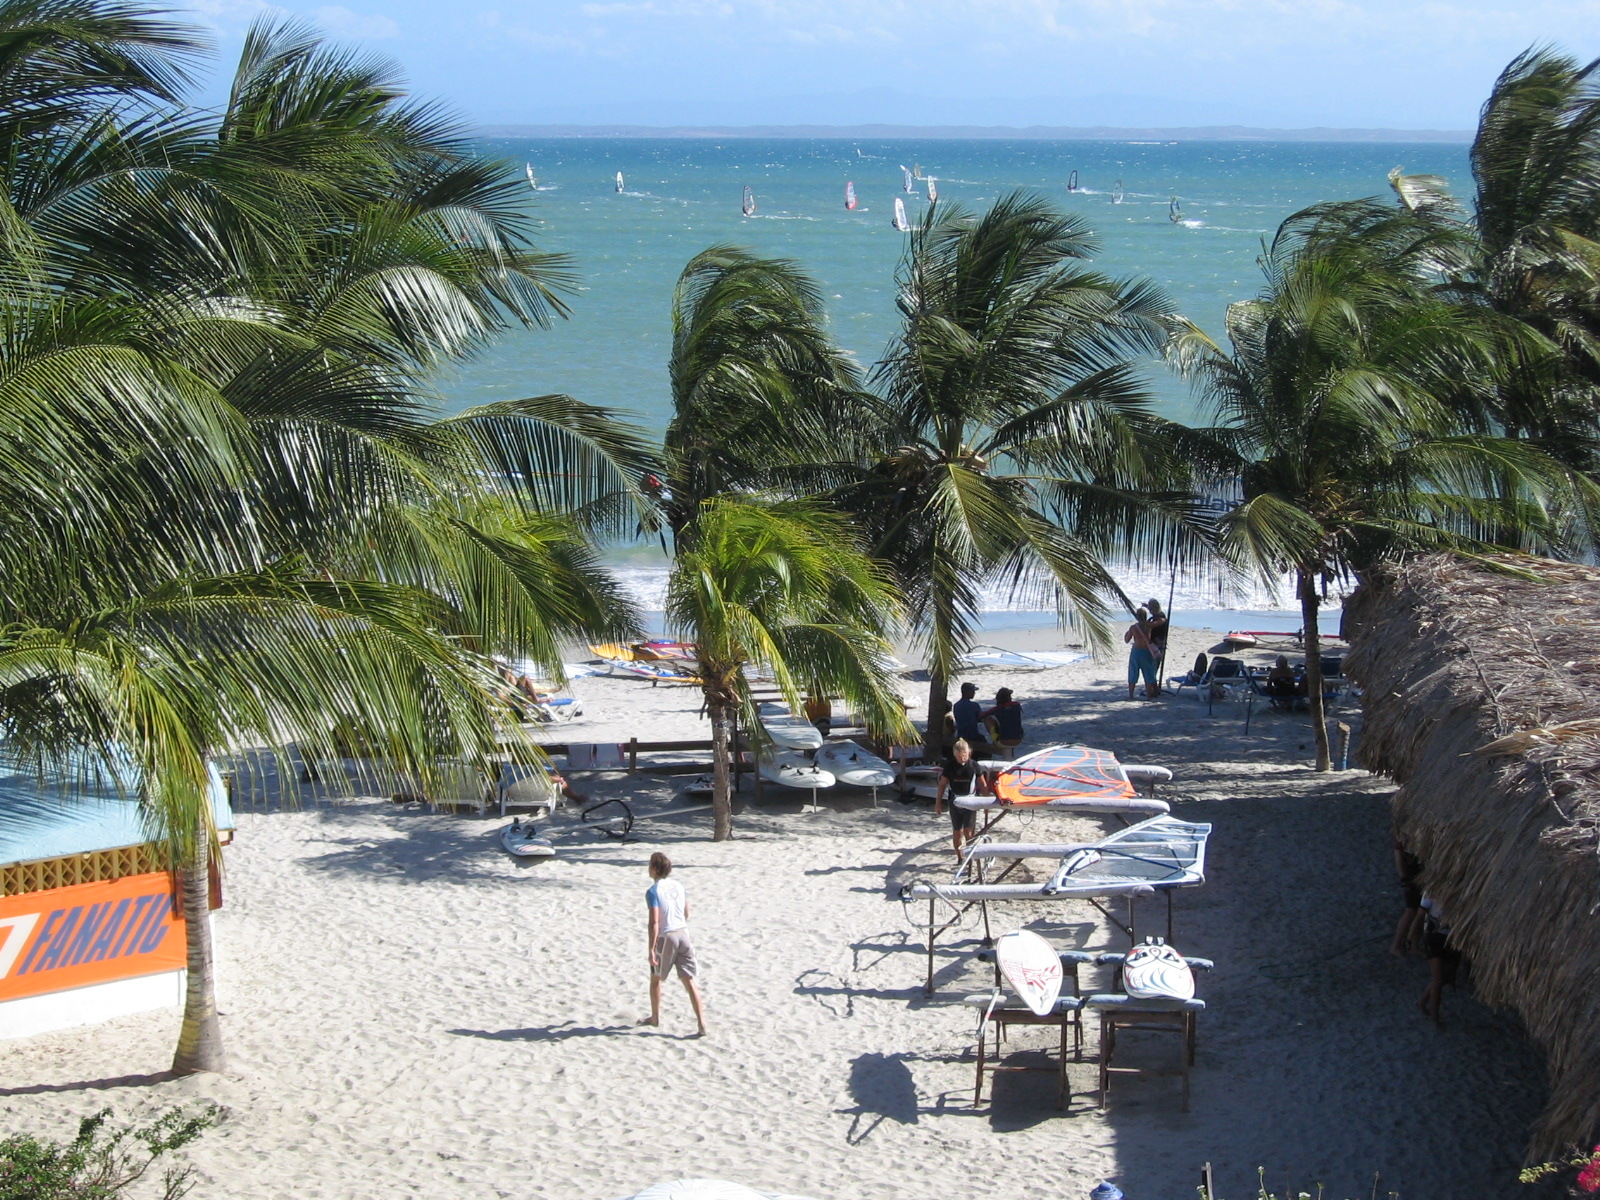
(79, 816)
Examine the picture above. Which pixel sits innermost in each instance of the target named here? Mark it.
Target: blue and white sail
(748, 205)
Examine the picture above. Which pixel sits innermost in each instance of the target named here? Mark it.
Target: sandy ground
(409, 1012)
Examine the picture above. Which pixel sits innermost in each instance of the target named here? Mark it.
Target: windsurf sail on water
(900, 222)
(850, 195)
(906, 184)
(619, 181)
(1072, 182)
(933, 190)
(1116, 196)
(916, 170)
(533, 180)
(1174, 211)
(748, 205)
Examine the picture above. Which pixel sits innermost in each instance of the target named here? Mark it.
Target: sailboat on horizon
(747, 206)
(619, 181)
(1116, 196)
(1174, 211)
(908, 185)
(850, 195)
(533, 180)
(1072, 182)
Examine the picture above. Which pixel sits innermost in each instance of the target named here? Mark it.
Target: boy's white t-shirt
(668, 895)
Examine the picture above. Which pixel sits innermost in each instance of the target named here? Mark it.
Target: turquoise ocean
(680, 196)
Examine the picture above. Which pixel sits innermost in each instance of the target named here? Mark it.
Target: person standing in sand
(1159, 628)
(1141, 658)
(959, 776)
(669, 939)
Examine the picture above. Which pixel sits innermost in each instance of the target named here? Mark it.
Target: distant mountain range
(1102, 133)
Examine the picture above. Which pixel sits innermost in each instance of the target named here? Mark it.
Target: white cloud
(341, 22)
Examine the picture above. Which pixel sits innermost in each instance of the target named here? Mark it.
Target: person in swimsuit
(959, 776)
(1141, 657)
(669, 939)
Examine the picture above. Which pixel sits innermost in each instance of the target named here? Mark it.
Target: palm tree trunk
(721, 791)
(200, 1038)
(1309, 603)
(938, 696)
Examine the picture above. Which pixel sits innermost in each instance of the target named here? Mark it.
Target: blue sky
(1276, 63)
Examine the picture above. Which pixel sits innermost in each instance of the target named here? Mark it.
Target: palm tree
(782, 585)
(231, 517)
(761, 397)
(1340, 431)
(1532, 249)
(1013, 445)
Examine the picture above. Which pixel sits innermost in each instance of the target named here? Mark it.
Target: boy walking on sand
(669, 939)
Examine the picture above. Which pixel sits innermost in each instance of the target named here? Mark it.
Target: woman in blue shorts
(1141, 655)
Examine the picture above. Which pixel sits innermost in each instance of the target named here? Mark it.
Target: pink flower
(1589, 1177)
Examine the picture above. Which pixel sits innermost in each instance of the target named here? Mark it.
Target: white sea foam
(1201, 590)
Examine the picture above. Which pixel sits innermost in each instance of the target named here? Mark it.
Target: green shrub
(100, 1164)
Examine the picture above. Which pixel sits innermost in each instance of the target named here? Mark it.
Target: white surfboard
(854, 765)
(1031, 967)
(524, 841)
(1155, 971)
(787, 730)
(793, 769)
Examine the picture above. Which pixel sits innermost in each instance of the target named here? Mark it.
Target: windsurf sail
(900, 222)
(916, 170)
(1026, 660)
(907, 184)
(1154, 855)
(850, 195)
(933, 190)
(619, 181)
(1116, 196)
(748, 205)
(1062, 772)
(1174, 211)
(533, 180)
(1072, 182)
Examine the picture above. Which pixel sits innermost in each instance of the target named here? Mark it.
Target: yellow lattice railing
(97, 866)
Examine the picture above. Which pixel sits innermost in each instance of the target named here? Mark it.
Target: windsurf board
(1153, 970)
(1031, 967)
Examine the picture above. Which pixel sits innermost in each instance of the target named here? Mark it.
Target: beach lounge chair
(597, 756)
(459, 786)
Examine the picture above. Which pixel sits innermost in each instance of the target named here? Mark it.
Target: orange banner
(88, 933)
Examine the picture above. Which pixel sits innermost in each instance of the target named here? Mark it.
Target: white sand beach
(410, 1012)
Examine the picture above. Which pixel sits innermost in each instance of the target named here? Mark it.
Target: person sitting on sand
(1141, 655)
(669, 939)
(1004, 721)
(959, 776)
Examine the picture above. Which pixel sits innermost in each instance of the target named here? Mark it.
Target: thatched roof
(1482, 698)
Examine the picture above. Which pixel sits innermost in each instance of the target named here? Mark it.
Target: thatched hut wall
(1453, 657)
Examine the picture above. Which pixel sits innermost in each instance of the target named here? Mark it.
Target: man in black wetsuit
(959, 776)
